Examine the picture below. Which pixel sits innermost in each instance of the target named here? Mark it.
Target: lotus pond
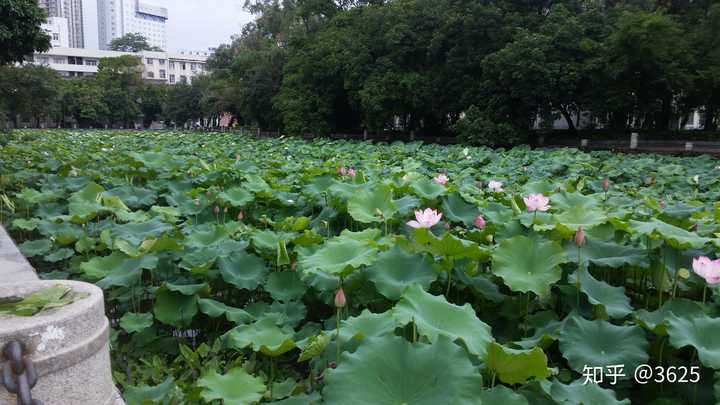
(284, 271)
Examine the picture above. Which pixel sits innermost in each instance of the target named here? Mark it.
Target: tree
(30, 91)
(20, 32)
(183, 103)
(121, 81)
(152, 99)
(84, 101)
(132, 42)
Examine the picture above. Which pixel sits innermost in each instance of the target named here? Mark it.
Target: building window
(172, 78)
(90, 62)
(151, 75)
(182, 66)
(59, 61)
(149, 61)
(172, 65)
(183, 79)
(162, 62)
(56, 36)
(162, 73)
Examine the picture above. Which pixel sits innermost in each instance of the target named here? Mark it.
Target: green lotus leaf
(392, 371)
(236, 196)
(427, 189)
(173, 308)
(612, 299)
(283, 314)
(407, 204)
(373, 204)
(118, 269)
(149, 394)
(700, 332)
(528, 263)
(85, 204)
(581, 394)
(395, 269)
(599, 343)
(133, 322)
(236, 387)
(268, 240)
(133, 197)
(315, 346)
(285, 286)
(436, 317)
(137, 233)
(517, 366)
(215, 309)
(59, 255)
(256, 184)
(189, 289)
(243, 270)
(26, 224)
(675, 237)
(546, 329)
(657, 321)
(263, 336)
(302, 399)
(449, 245)
(367, 325)
(607, 254)
(501, 394)
(340, 257)
(456, 209)
(34, 248)
(575, 210)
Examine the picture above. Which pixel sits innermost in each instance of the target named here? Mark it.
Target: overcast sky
(196, 25)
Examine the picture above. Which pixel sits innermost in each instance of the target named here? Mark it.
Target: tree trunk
(710, 124)
(568, 118)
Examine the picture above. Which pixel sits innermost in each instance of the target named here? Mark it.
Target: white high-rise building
(72, 12)
(119, 17)
(90, 24)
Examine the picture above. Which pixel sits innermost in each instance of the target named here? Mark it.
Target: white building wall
(91, 36)
(57, 29)
(119, 17)
(158, 67)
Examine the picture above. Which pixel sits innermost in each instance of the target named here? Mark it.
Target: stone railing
(68, 346)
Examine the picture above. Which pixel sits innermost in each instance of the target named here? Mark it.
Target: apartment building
(158, 67)
(72, 13)
(119, 17)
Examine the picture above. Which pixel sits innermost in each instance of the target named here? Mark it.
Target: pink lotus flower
(351, 172)
(441, 178)
(707, 269)
(537, 202)
(340, 300)
(480, 222)
(495, 186)
(580, 237)
(425, 219)
(342, 171)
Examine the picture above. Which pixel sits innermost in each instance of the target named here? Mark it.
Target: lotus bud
(208, 194)
(225, 210)
(340, 298)
(216, 209)
(240, 216)
(662, 204)
(342, 171)
(580, 237)
(351, 172)
(237, 157)
(479, 222)
(197, 202)
(606, 184)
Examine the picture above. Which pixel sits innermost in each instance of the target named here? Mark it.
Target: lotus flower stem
(704, 293)
(577, 278)
(447, 292)
(414, 330)
(337, 334)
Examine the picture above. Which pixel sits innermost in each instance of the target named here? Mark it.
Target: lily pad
(396, 268)
(436, 317)
(528, 263)
(700, 332)
(236, 387)
(392, 371)
(517, 366)
(373, 204)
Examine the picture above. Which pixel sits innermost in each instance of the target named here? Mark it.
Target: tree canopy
(132, 42)
(20, 32)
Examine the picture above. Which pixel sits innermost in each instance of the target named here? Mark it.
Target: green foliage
(132, 42)
(21, 34)
(237, 303)
(41, 300)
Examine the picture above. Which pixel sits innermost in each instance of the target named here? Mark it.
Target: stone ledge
(13, 265)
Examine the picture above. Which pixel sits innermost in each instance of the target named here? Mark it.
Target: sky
(195, 25)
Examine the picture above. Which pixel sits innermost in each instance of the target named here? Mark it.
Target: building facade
(158, 67)
(119, 17)
(72, 12)
(57, 29)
